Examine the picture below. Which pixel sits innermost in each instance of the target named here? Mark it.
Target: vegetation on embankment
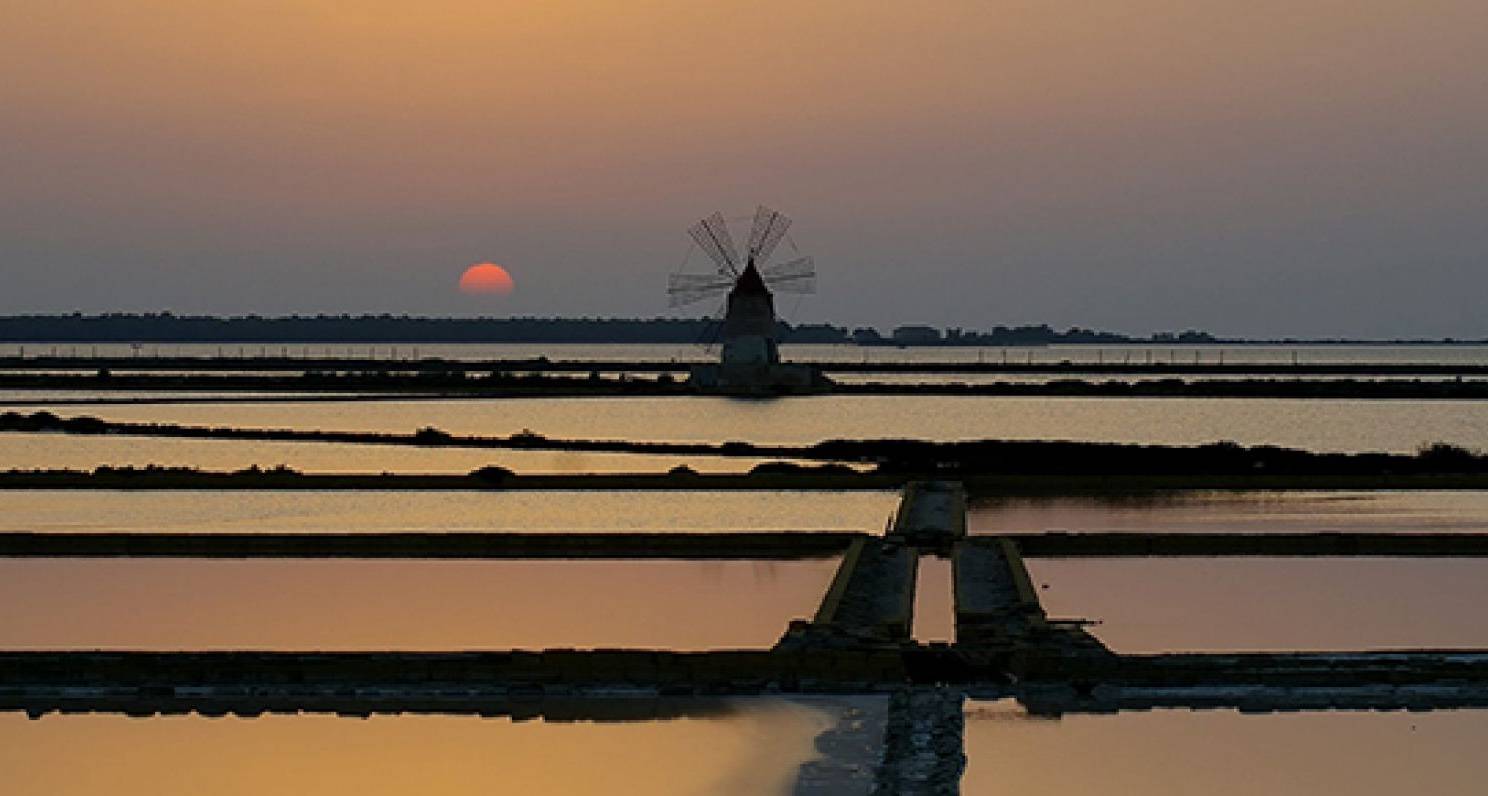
(428, 436)
(155, 477)
(1009, 460)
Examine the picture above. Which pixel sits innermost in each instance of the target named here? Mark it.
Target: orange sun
(486, 278)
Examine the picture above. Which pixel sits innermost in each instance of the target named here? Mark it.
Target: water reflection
(1197, 604)
(402, 605)
(934, 608)
(1311, 424)
(372, 511)
(56, 451)
(754, 749)
(24, 397)
(1155, 605)
(1223, 753)
(1237, 512)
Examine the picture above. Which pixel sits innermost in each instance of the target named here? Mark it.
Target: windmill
(713, 237)
(753, 271)
(751, 355)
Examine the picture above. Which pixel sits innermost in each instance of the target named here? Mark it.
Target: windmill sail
(793, 276)
(769, 227)
(712, 236)
(683, 289)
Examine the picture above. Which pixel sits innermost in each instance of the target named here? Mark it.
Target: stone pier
(1001, 625)
(996, 605)
(871, 599)
(870, 602)
(923, 751)
(931, 514)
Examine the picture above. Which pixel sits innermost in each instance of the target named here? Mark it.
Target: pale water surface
(1222, 753)
(58, 451)
(1237, 512)
(373, 511)
(1210, 604)
(1334, 425)
(1147, 605)
(754, 748)
(1175, 604)
(404, 605)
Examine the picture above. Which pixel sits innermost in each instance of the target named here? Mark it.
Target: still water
(1237, 512)
(1222, 753)
(753, 748)
(403, 605)
(56, 451)
(372, 511)
(1317, 425)
(1207, 604)
(1145, 605)
(1155, 605)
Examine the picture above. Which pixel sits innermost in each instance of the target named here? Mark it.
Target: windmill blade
(682, 298)
(684, 289)
(804, 285)
(799, 266)
(769, 227)
(792, 276)
(712, 235)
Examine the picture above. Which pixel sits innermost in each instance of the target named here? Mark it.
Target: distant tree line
(166, 327)
(1042, 334)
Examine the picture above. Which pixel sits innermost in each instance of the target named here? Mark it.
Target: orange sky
(175, 154)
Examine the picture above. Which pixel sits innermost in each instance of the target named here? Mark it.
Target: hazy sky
(1297, 167)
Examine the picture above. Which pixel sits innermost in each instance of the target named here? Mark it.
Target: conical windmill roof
(750, 282)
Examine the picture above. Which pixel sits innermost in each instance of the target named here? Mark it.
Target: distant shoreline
(169, 329)
(351, 386)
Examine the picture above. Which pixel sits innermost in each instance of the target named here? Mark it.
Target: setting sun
(486, 278)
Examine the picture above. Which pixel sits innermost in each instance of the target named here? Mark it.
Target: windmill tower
(750, 363)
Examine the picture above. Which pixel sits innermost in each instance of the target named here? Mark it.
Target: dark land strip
(436, 366)
(277, 479)
(1199, 545)
(1094, 462)
(281, 479)
(726, 545)
(577, 683)
(186, 398)
(425, 437)
(731, 545)
(433, 386)
(355, 385)
(1266, 388)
